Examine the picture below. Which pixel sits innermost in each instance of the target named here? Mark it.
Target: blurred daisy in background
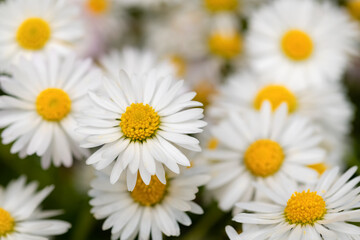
(150, 209)
(105, 24)
(36, 27)
(353, 7)
(21, 216)
(262, 147)
(326, 106)
(296, 42)
(43, 97)
(137, 124)
(225, 39)
(179, 35)
(325, 210)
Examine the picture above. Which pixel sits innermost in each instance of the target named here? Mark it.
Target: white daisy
(304, 42)
(225, 39)
(327, 106)
(134, 62)
(43, 97)
(33, 27)
(261, 147)
(150, 209)
(137, 124)
(21, 216)
(323, 211)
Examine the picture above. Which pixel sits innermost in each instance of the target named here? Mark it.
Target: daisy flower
(137, 124)
(225, 39)
(38, 111)
(21, 216)
(304, 42)
(150, 209)
(323, 211)
(35, 27)
(231, 6)
(327, 106)
(260, 147)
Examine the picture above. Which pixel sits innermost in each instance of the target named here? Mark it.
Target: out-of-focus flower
(295, 41)
(322, 211)
(260, 147)
(104, 24)
(138, 122)
(36, 27)
(21, 216)
(44, 96)
(225, 39)
(180, 33)
(150, 209)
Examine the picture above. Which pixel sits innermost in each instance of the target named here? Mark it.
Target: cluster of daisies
(160, 98)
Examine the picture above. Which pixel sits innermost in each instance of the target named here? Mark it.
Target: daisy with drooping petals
(137, 124)
(150, 209)
(261, 147)
(43, 97)
(304, 42)
(33, 27)
(21, 216)
(323, 211)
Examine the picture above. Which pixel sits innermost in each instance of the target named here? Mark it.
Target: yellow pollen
(354, 9)
(98, 6)
(53, 104)
(226, 46)
(148, 195)
(276, 95)
(297, 45)
(213, 143)
(264, 157)
(33, 34)
(305, 208)
(319, 167)
(7, 223)
(204, 91)
(221, 5)
(180, 65)
(139, 122)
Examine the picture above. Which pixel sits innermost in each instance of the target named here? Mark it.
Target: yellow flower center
(139, 122)
(180, 65)
(213, 143)
(319, 167)
(297, 45)
(354, 9)
(33, 34)
(221, 5)
(264, 157)
(148, 195)
(53, 104)
(204, 90)
(98, 6)
(305, 208)
(276, 95)
(227, 46)
(7, 223)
